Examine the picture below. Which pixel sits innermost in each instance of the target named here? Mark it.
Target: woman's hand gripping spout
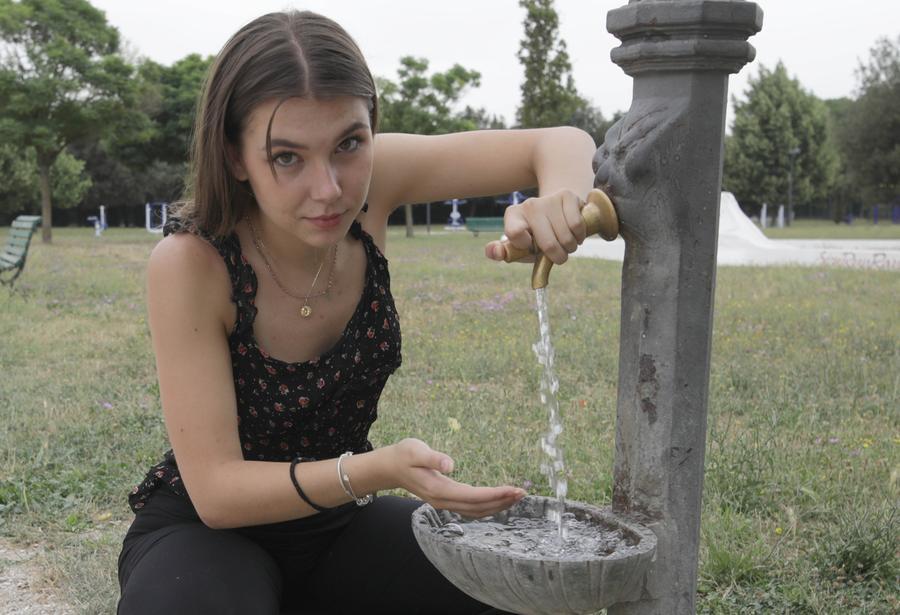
(423, 472)
(551, 224)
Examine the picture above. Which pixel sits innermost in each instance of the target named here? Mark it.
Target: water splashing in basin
(536, 538)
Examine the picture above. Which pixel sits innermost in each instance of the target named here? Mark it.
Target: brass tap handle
(599, 217)
(515, 254)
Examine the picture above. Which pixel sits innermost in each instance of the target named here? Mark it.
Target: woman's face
(322, 152)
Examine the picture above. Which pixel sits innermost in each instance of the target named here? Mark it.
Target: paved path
(863, 254)
(742, 243)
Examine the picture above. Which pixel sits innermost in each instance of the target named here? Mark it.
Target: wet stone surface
(538, 538)
(516, 561)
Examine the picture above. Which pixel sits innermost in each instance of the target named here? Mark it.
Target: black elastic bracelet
(303, 496)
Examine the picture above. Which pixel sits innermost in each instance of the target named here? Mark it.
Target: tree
(121, 180)
(481, 120)
(19, 182)
(147, 160)
(168, 95)
(61, 81)
(870, 132)
(420, 104)
(19, 190)
(779, 117)
(845, 195)
(549, 97)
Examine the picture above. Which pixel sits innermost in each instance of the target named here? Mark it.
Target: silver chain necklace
(305, 309)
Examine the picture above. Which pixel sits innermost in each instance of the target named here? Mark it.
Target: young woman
(274, 332)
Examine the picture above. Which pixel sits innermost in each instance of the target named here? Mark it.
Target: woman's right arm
(188, 297)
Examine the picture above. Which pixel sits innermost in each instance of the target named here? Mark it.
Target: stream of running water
(553, 467)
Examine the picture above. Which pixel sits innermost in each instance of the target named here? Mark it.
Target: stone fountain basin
(534, 585)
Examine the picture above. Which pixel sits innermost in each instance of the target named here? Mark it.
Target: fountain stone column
(662, 163)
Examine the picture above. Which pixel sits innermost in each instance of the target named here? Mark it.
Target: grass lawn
(803, 452)
(826, 229)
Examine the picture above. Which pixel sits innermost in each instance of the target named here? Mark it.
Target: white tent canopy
(742, 243)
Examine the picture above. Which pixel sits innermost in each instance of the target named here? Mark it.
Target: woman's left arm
(420, 169)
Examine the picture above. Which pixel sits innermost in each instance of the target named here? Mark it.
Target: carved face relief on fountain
(634, 154)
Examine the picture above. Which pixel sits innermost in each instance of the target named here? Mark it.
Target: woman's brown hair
(277, 56)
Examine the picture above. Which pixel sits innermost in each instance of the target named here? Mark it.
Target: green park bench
(12, 257)
(476, 225)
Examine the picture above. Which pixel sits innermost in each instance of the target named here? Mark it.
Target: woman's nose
(325, 186)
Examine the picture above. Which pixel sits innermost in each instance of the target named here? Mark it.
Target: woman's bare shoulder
(187, 270)
(185, 249)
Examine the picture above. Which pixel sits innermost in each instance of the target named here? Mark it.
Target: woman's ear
(238, 169)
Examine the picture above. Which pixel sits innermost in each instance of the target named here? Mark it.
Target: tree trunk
(46, 208)
(407, 209)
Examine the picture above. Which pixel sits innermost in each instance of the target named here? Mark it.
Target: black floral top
(317, 409)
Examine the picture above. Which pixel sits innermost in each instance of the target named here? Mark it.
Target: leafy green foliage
(61, 80)
(120, 180)
(778, 117)
(845, 194)
(869, 129)
(421, 104)
(19, 184)
(147, 159)
(19, 191)
(168, 95)
(68, 182)
(549, 95)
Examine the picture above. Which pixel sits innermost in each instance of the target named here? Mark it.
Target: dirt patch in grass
(23, 589)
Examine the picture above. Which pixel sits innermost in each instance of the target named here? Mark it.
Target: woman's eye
(285, 159)
(350, 144)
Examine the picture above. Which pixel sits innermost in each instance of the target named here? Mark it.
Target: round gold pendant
(305, 311)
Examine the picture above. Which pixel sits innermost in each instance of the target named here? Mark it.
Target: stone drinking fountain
(662, 166)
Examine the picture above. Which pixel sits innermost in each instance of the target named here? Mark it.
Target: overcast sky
(820, 41)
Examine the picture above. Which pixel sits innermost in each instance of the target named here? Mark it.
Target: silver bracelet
(345, 482)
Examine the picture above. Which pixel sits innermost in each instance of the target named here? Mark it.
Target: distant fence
(133, 215)
(116, 215)
(440, 211)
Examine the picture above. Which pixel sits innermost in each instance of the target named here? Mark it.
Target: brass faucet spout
(540, 275)
(599, 217)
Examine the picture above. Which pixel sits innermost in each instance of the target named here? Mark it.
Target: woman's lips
(326, 222)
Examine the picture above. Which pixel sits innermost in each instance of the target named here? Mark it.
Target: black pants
(348, 560)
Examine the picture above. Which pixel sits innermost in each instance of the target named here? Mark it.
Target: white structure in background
(763, 216)
(455, 224)
(779, 221)
(742, 243)
(99, 221)
(149, 216)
